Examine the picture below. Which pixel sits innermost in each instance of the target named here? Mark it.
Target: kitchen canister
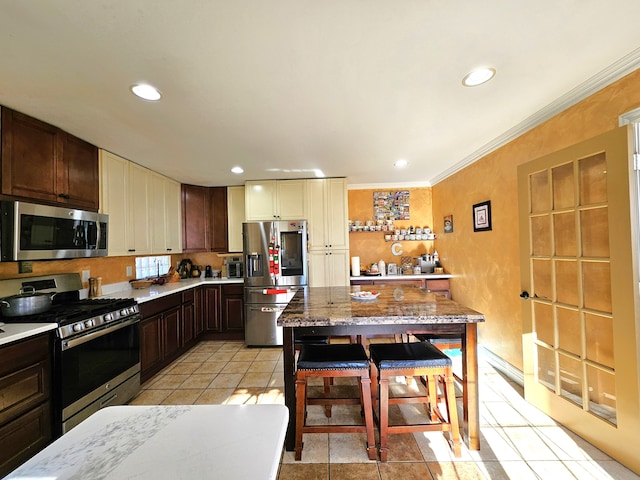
(355, 266)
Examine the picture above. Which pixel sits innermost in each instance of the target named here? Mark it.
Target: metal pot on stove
(27, 302)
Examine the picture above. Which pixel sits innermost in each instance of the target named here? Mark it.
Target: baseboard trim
(502, 366)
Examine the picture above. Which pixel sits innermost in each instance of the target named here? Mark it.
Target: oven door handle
(74, 342)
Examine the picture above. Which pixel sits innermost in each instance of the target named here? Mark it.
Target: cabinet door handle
(64, 195)
(131, 250)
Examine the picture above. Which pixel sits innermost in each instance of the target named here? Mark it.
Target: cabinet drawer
(233, 289)
(361, 282)
(25, 377)
(154, 307)
(22, 438)
(188, 295)
(439, 284)
(418, 282)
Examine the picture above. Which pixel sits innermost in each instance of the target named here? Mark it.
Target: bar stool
(442, 341)
(412, 360)
(330, 361)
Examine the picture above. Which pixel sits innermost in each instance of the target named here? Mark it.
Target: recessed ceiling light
(146, 92)
(237, 170)
(478, 76)
(400, 163)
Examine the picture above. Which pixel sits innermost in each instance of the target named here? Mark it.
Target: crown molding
(387, 186)
(614, 72)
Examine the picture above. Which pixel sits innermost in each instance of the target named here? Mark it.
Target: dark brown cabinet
(204, 219)
(150, 345)
(233, 308)
(160, 334)
(189, 328)
(25, 410)
(212, 306)
(40, 162)
(223, 311)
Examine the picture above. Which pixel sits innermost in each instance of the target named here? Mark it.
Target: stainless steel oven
(98, 367)
(96, 353)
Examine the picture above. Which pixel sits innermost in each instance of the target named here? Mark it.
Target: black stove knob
(108, 317)
(78, 327)
(89, 323)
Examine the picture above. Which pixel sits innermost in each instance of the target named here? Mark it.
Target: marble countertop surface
(186, 442)
(333, 306)
(12, 332)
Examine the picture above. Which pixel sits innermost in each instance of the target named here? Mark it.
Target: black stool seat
(407, 355)
(332, 357)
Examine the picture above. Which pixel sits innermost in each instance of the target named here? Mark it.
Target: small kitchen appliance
(234, 267)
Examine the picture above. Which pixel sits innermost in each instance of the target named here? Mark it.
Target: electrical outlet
(129, 271)
(25, 267)
(85, 275)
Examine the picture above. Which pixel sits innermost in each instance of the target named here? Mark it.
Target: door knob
(524, 295)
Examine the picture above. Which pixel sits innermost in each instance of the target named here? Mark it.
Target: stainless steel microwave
(41, 232)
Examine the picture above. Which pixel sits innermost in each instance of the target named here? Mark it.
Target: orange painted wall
(371, 246)
(486, 264)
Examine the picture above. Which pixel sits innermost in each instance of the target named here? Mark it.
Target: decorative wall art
(448, 223)
(391, 205)
(482, 216)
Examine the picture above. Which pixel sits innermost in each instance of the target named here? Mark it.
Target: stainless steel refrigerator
(275, 268)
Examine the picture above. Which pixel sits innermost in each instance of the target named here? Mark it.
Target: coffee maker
(234, 267)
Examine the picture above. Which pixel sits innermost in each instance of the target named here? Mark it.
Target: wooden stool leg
(328, 381)
(374, 388)
(365, 395)
(301, 406)
(384, 416)
(432, 387)
(452, 413)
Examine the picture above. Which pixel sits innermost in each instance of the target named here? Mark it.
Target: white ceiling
(283, 87)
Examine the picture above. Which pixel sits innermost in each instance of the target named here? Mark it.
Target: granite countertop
(167, 442)
(333, 306)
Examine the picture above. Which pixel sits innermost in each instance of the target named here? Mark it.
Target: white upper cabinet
(165, 215)
(327, 213)
(275, 200)
(235, 216)
(144, 208)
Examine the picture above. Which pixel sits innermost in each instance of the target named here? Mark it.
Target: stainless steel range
(96, 358)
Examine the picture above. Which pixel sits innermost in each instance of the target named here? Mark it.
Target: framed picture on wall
(448, 223)
(482, 216)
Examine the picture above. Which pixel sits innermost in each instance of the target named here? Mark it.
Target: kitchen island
(396, 310)
(225, 442)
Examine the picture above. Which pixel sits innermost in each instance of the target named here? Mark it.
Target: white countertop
(142, 295)
(12, 332)
(428, 276)
(20, 331)
(167, 442)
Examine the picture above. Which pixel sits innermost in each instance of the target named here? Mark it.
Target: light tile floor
(518, 441)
